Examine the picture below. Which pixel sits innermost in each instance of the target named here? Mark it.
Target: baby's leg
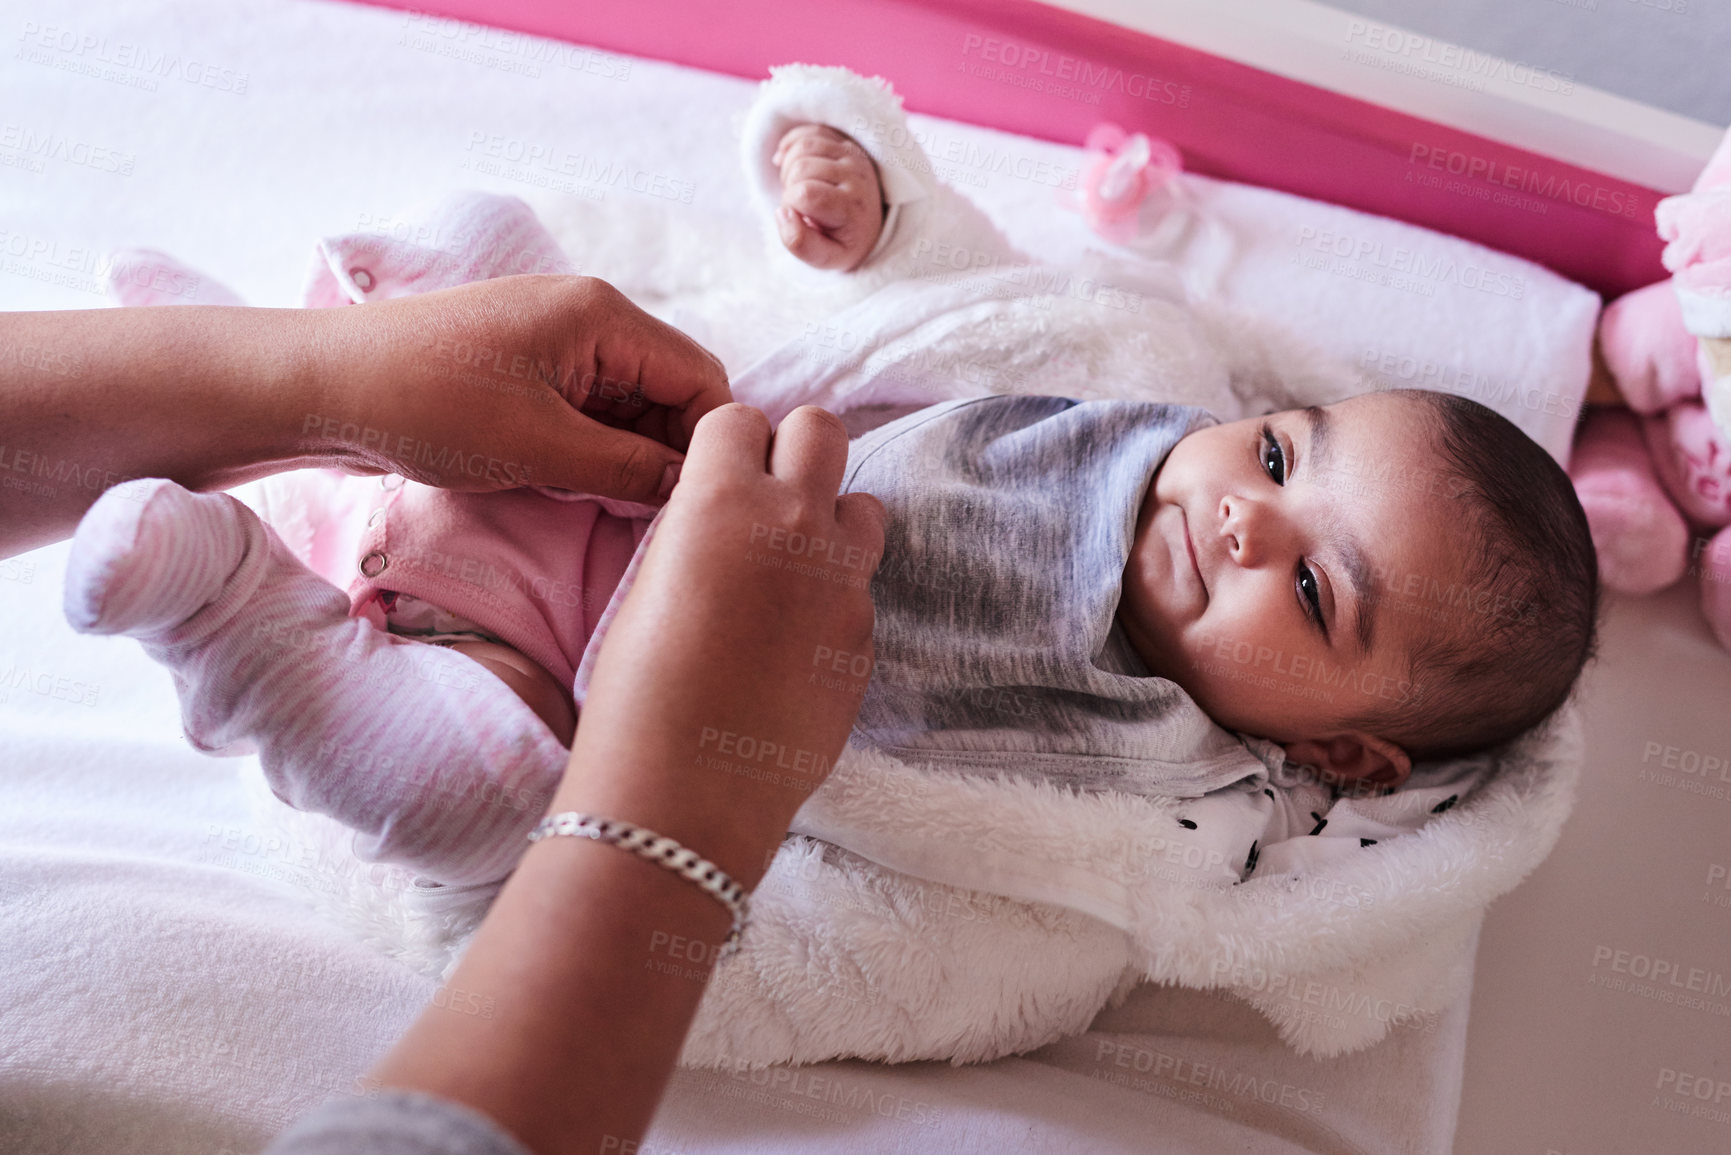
(436, 764)
(529, 681)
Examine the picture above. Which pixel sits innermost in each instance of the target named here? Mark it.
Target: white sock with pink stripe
(434, 762)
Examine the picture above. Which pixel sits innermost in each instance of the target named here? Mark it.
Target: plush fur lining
(847, 957)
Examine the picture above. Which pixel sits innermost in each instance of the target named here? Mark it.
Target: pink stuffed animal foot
(1647, 349)
(1638, 534)
(1693, 462)
(1712, 563)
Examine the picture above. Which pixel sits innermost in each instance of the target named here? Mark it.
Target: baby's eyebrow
(1317, 447)
(1352, 556)
(1358, 571)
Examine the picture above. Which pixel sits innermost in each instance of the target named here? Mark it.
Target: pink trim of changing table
(1023, 67)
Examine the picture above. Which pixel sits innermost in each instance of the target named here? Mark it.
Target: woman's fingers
(735, 443)
(810, 451)
(613, 462)
(640, 358)
(863, 515)
(731, 444)
(523, 380)
(637, 394)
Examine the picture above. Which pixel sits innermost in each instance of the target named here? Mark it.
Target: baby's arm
(917, 227)
(832, 203)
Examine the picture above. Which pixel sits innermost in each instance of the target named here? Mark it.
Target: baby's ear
(1353, 756)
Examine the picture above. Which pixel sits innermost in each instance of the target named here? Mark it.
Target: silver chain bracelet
(663, 852)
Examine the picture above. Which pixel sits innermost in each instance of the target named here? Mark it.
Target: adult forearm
(477, 388)
(595, 959)
(564, 1020)
(207, 396)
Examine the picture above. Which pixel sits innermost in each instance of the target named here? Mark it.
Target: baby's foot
(832, 206)
(149, 555)
(434, 763)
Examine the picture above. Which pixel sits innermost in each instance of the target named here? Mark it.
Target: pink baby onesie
(531, 567)
(280, 636)
(516, 566)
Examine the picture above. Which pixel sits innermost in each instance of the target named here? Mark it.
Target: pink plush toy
(1647, 478)
(1640, 537)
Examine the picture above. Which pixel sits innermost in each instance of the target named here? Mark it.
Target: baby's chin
(1148, 634)
(1157, 644)
(1152, 624)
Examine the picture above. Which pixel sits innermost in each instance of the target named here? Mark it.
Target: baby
(1414, 547)
(1089, 566)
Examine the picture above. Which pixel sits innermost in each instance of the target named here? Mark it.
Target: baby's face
(1259, 552)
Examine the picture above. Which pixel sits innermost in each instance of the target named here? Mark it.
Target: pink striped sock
(433, 761)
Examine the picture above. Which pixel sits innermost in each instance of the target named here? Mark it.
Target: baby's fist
(832, 206)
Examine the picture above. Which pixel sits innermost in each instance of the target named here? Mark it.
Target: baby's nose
(1249, 528)
(1232, 526)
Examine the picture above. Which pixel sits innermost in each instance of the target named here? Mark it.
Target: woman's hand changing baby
(832, 206)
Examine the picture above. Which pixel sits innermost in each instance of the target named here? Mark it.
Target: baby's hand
(832, 206)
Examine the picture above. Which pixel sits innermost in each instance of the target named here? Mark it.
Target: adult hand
(556, 381)
(715, 682)
(755, 570)
(531, 380)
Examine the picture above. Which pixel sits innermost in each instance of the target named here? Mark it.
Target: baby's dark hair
(1522, 621)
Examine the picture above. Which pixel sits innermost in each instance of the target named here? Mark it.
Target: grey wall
(1672, 53)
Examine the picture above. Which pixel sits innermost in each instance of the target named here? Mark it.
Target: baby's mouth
(1190, 549)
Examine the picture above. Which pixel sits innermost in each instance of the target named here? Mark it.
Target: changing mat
(167, 996)
(1077, 896)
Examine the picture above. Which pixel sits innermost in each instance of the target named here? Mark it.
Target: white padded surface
(160, 987)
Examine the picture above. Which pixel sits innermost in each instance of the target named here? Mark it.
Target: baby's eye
(1273, 456)
(1310, 593)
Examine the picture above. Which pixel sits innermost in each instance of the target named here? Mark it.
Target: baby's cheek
(1208, 650)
